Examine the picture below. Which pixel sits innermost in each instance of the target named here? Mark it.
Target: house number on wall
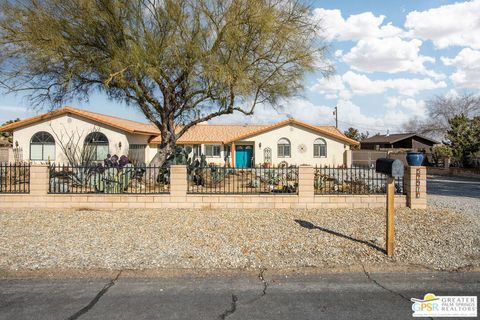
(417, 184)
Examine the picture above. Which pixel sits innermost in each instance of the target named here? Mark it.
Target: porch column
(233, 154)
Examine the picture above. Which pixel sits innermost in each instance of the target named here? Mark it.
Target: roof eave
(147, 133)
(68, 110)
(290, 121)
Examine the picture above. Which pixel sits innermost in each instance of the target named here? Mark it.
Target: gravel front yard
(145, 239)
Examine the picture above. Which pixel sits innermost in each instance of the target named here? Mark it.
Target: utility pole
(335, 113)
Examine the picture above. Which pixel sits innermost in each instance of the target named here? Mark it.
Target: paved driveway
(461, 194)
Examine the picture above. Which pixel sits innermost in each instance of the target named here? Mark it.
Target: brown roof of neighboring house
(115, 122)
(201, 133)
(393, 138)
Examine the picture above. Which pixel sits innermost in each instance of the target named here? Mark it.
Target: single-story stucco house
(290, 141)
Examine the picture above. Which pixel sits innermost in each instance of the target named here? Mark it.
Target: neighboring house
(4, 142)
(290, 141)
(5, 148)
(411, 141)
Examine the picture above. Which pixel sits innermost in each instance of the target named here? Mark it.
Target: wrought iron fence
(109, 180)
(258, 180)
(355, 180)
(14, 178)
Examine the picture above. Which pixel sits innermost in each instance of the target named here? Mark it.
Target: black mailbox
(391, 167)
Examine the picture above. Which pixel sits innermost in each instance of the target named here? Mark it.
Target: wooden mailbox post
(393, 169)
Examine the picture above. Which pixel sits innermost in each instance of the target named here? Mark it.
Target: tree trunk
(161, 155)
(165, 149)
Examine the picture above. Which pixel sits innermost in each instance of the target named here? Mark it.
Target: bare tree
(441, 109)
(71, 142)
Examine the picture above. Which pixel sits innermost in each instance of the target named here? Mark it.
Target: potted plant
(415, 158)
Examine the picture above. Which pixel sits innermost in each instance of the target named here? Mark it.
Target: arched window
(96, 146)
(319, 148)
(42, 147)
(283, 148)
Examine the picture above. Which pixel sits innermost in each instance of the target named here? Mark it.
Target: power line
(378, 129)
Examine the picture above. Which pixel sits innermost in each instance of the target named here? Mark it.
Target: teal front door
(243, 156)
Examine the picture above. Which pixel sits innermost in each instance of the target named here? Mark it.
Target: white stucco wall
(60, 127)
(298, 135)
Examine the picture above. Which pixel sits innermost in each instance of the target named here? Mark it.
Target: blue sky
(390, 58)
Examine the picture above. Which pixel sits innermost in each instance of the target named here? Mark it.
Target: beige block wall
(35, 200)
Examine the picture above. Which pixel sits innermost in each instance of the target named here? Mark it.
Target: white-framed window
(283, 148)
(320, 148)
(212, 150)
(136, 153)
(96, 144)
(197, 150)
(42, 147)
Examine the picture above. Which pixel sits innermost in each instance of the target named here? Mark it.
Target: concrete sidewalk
(243, 296)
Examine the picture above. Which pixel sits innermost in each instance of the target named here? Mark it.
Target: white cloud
(355, 27)
(333, 83)
(351, 115)
(14, 109)
(467, 64)
(332, 87)
(361, 84)
(455, 24)
(389, 55)
(331, 96)
(297, 108)
(351, 83)
(414, 107)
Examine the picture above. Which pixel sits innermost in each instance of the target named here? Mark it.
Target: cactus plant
(113, 176)
(181, 156)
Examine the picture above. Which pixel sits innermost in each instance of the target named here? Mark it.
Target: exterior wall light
(120, 145)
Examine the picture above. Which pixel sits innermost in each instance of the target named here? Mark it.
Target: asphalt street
(360, 295)
(453, 186)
